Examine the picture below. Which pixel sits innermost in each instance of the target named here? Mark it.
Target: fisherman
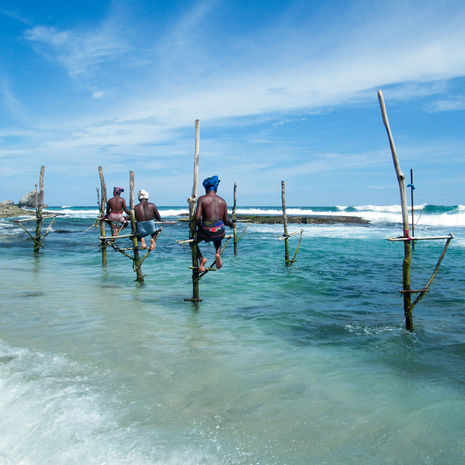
(145, 213)
(211, 217)
(115, 207)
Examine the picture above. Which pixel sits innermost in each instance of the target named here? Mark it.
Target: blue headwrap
(211, 183)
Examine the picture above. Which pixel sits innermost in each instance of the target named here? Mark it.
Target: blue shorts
(146, 228)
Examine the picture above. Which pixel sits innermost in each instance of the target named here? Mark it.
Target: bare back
(116, 205)
(212, 207)
(146, 211)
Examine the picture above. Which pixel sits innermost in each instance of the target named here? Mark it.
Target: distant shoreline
(301, 219)
(12, 211)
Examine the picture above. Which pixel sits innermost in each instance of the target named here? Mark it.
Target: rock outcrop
(28, 200)
(12, 211)
(6, 203)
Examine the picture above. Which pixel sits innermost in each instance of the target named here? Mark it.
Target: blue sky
(282, 89)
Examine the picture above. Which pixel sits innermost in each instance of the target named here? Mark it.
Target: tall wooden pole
(39, 207)
(412, 188)
(286, 235)
(192, 200)
(137, 261)
(403, 199)
(103, 202)
(234, 218)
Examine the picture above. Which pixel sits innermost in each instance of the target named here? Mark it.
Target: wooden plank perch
(282, 237)
(112, 238)
(427, 238)
(185, 241)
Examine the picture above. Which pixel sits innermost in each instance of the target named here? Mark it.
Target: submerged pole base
(193, 299)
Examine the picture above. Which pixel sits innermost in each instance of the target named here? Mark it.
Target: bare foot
(152, 244)
(142, 243)
(218, 261)
(203, 260)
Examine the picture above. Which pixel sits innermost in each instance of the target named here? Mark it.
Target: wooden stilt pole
(103, 202)
(234, 218)
(39, 207)
(192, 200)
(412, 188)
(39, 204)
(403, 198)
(286, 235)
(136, 261)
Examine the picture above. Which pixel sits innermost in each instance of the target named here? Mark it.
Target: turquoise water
(303, 366)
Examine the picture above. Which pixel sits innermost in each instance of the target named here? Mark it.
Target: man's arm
(198, 212)
(124, 207)
(226, 219)
(156, 213)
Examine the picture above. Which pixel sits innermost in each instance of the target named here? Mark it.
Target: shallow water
(303, 366)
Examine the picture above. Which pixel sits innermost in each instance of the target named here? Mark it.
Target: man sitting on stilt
(115, 207)
(145, 212)
(211, 217)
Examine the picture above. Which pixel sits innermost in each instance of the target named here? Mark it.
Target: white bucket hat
(143, 194)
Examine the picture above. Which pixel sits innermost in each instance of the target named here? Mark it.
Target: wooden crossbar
(282, 237)
(206, 269)
(35, 218)
(107, 238)
(430, 238)
(185, 241)
(414, 291)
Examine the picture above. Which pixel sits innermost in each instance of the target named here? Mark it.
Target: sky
(283, 90)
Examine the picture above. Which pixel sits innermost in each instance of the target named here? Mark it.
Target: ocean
(276, 366)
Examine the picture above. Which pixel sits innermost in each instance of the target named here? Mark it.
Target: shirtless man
(115, 207)
(211, 216)
(145, 212)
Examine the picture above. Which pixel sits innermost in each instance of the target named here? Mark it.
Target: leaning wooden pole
(234, 218)
(103, 202)
(136, 261)
(39, 208)
(407, 243)
(192, 200)
(286, 234)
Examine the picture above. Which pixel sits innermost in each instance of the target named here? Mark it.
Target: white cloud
(98, 94)
(451, 104)
(81, 50)
(12, 104)
(148, 82)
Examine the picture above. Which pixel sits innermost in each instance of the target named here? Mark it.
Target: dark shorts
(145, 228)
(211, 232)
